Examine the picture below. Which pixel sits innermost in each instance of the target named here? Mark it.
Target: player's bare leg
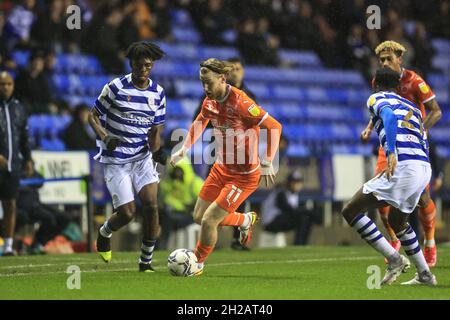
(410, 243)
(208, 234)
(353, 214)
(9, 223)
(124, 214)
(199, 210)
(427, 216)
(384, 215)
(150, 225)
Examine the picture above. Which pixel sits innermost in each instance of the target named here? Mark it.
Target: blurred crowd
(336, 30)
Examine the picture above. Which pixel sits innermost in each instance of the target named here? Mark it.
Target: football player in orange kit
(415, 89)
(237, 172)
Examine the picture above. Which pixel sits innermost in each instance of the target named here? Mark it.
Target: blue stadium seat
(21, 57)
(229, 36)
(441, 62)
(298, 150)
(188, 88)
(189, 106)
(181, 18)
(80, 64)
(217, 52)
(443, 151)
(52, 145)
(189, 35)
(442, 46)
(302, 58)
(441, 134)
(437, 80)
(289, 93)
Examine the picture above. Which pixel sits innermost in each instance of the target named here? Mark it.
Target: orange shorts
(381, 161)
(228, 190)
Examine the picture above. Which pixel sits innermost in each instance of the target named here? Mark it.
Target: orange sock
(202, 252)
(234, 219)
(427, 216)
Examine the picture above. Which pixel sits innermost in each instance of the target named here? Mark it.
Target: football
(182, 263)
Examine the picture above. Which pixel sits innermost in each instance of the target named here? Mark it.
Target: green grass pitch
(289, 273)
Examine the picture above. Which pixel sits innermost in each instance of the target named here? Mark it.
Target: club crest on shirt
(128, 98)
(424, 88)
(372, 101)
(253, 110)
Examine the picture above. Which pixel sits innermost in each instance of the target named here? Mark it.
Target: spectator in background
(49, 28)
(32, 86)
(359, 53)
(214, 22)
(441, 24)
(329, 47)
(79, 134)
(30, 210)
(6, 62)
(283, 210)
(304, 31)
(15, 155)
(18, 24)
(423, 50)
(161, 19)
(105, 44)
(253, 47)
(128, 31)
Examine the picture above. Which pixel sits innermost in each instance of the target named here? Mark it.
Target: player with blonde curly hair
(416, 90)
(237, 172)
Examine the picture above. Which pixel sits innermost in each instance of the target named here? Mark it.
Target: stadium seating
(322, 110)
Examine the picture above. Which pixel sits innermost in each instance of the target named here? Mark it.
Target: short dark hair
(386, 78)
(144, 49)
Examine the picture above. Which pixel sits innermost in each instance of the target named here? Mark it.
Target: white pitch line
(208, 265)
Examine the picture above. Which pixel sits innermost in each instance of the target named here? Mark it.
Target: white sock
(369, 232)
(105, 230)
(247, 221)
(412, 248)
(429, 243)
(8, 245)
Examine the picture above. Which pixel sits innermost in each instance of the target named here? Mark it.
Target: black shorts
(9, 185)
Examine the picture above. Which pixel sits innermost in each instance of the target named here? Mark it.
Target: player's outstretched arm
(195, 132)
(365, 134)
(274, 129)
(434, 114)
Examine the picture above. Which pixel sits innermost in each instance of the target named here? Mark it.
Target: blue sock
(370, 233)
(147, 248)
(411, 246)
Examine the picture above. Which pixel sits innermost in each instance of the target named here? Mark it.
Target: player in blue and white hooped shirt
(398, 123)
(128, 118)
